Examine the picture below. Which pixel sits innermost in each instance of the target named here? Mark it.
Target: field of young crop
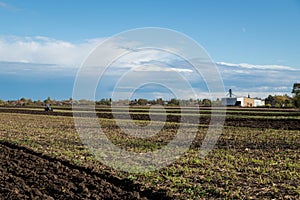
(256, 157)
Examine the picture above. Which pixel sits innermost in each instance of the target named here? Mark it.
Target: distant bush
(268, 105)
(297, 101)
(277, 105)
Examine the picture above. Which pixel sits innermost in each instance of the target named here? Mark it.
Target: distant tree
(38, 102)
(270, 100)
(199, 101)
(296, 92)
(297, 101)
(282, 100)
(174, 102)
(47, 101)
(29, 102)
(289, 102)
(142, 102)
(159, 101)
(268, 105)
(296, 89)
(277, 105)
(279, 101)
(206, 102)
(23, 99)
(104, 102)
(185, 102)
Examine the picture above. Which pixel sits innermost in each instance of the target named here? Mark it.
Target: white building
(242, 101)
(258, 102)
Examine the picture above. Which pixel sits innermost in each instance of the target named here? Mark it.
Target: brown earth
(25, 174)
(265, 122)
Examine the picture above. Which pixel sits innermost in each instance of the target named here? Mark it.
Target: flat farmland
(256, 157)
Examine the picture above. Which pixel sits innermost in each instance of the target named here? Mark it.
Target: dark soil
(265, 122)
(25, 174)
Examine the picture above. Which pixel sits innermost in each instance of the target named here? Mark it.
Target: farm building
(241, 101)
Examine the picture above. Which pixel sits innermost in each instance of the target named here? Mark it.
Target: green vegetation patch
(245, 163)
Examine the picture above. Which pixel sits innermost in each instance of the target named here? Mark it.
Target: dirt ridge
(25, 174)
(286, 124)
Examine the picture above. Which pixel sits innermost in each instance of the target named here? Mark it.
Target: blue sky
(255, 44)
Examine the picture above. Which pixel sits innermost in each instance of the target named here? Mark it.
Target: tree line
(276, 101)
(108, 101)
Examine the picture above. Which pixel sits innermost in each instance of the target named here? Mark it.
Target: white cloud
(44, 50)
(39, 54)
(258, 80)
(155, 68)
(251, 66)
